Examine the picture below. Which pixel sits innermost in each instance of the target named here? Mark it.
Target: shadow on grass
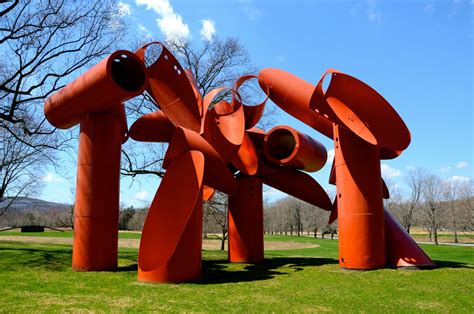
(216, 272)
(451, 264)
(57, 259)
(20, 258)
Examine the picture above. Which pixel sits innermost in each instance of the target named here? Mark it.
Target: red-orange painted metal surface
(170, 246)
(114, 80)
(365, 129)
(246, 221)
(95, 101)
(171, 88)
(211, 143)
(97, 193)
(286, 146)
(359, 202)
(402, 250)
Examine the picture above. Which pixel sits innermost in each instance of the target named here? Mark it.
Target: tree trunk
(429, 235)
(435, 234)
(456, 236)
(223, 238)
(315, 232)
(332, 235)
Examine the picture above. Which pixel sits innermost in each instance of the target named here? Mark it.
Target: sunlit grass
(38, 277)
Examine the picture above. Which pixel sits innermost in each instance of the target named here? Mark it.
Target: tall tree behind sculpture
(20, 169)
(214, 63)
(42, 43)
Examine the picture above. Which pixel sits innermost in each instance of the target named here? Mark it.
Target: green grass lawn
(37, 277)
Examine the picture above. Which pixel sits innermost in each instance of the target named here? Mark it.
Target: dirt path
(134, 243)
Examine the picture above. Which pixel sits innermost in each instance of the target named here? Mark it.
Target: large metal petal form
(246, 159)
(171, 88)
(297, 184)
(255, 112)
(152, 127)
(168, 216)
(364, 111)
(224, 128)
(216, 174)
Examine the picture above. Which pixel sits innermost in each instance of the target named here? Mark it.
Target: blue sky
(417, 54)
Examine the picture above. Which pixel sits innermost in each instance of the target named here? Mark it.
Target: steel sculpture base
(359, 202)
(96, 211)
(170, 247)
(184, 265)
(402, 250)
(246, 221)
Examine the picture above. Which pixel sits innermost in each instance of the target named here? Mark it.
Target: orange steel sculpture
(214, 145)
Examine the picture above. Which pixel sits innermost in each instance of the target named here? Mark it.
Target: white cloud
(458, 179)
(51, 177)
(142, 196)
(123, 9)
(208, 29)
(389, 172)
(462, 164)
(373, 13)
(170, 23)
(445, 168)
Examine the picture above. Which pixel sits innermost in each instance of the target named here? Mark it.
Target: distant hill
(27, 204)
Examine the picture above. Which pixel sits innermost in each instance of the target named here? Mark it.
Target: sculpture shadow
(19, 258)
(451, 264)
(218, 271)
(57, 259)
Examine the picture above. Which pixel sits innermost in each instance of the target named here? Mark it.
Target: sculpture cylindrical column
(96, 210)
(359, 202)
(246, 221)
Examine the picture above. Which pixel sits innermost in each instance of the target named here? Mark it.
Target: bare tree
(42, 43)
(215, 213)
(415, 179)
(432, 193)
(20, 169)
(453, 212)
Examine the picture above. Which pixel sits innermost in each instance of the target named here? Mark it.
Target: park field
(37, 277)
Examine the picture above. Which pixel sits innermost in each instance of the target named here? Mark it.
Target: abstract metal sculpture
(215, 146)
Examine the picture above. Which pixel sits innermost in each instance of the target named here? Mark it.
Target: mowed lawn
(38, 277)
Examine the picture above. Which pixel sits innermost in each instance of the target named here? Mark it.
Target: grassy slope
(38, 277)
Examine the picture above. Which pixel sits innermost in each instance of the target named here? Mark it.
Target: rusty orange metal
(216, 146)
